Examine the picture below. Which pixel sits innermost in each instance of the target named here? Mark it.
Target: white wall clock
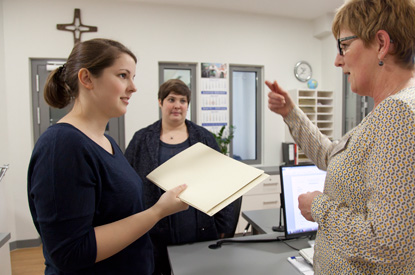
(303, 71)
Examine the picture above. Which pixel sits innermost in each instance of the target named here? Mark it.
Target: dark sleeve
(211, 141)
(62, 193)
(225, 219)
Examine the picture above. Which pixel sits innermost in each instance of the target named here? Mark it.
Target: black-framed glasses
(339, 43)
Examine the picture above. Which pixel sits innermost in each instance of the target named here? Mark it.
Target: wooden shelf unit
(318, 105)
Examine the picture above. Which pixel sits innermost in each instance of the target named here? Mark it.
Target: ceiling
(304, 9)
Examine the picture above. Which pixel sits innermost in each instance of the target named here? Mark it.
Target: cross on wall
(76, 27)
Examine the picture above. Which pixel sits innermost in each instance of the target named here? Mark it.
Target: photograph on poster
(214, 70)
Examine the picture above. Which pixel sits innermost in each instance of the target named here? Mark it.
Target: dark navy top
(182, 222)
(75, 185)
(167, 151)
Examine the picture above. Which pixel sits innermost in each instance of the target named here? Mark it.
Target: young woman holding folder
(84, 197)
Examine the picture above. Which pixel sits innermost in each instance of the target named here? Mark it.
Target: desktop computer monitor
(296, 180)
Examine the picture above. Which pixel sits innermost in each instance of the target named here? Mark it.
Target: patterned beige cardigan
(366, 215)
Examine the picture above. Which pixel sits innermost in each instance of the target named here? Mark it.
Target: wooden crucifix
(77, 28)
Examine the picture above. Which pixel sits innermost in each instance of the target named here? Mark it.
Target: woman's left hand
(304, 204)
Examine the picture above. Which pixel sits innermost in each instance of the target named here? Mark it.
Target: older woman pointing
(366, 214)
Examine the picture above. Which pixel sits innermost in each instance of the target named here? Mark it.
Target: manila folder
(213, 179)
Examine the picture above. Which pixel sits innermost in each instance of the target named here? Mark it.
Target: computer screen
(296, 180)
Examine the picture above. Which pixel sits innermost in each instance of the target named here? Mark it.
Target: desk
(263, 220)
(236, 258)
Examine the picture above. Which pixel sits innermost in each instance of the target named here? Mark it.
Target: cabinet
(263, 196)
(318, 106)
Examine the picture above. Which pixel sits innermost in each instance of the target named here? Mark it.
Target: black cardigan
(143, 154)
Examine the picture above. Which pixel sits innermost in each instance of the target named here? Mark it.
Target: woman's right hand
(169, 203)
(279, 101)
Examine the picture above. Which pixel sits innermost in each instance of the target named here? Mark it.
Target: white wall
(155, 33)
(5, 202)
(3, 134)
(332, 75)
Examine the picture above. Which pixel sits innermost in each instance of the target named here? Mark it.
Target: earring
(381, 63)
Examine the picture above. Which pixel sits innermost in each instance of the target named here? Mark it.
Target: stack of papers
(307, 254)
(213, 179)
(301, 265)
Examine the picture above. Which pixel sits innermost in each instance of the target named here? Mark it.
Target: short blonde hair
(366, 17)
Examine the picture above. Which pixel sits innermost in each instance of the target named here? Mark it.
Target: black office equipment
(280, 227)
(296, 180)
(289, 153)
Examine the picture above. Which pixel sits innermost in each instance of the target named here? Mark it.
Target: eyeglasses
(341, 47)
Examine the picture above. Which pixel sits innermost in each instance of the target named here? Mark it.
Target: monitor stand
(279, 228)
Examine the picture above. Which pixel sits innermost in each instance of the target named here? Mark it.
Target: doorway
(45, 116)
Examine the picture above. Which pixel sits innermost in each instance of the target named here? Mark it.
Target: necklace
(174, 133)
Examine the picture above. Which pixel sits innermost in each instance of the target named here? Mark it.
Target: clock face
(302, 71)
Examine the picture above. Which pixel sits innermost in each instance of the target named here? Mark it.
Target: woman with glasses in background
(366, 214)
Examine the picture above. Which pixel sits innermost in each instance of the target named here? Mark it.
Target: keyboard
(307, 254)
